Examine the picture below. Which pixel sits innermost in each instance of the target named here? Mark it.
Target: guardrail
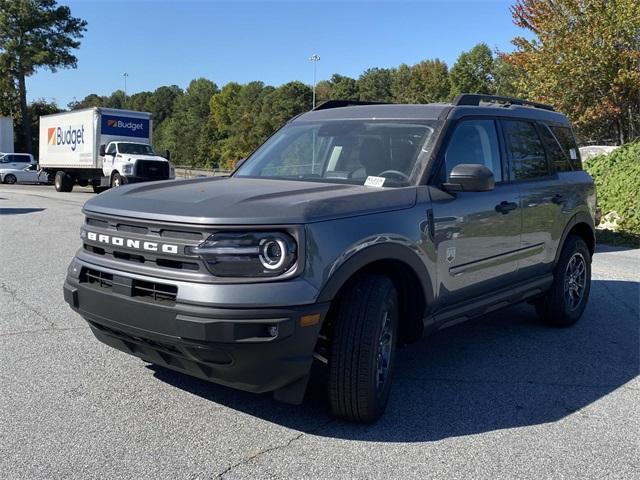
(185, 172)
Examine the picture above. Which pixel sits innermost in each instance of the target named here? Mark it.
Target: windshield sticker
(372, 181)
(573, 154)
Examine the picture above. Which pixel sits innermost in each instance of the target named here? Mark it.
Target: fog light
(273, 330)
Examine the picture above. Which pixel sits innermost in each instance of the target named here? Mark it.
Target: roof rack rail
(475, 99)
(343, 103)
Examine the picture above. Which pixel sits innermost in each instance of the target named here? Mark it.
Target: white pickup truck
(101, 147)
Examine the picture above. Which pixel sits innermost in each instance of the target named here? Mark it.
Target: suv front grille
(150, 291)
(152, 169)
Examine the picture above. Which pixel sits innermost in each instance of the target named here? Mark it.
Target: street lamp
(315, 58)
(125, 75)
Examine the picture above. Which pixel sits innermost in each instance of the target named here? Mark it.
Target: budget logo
(71, 136)
(125, 126)
(112, 123)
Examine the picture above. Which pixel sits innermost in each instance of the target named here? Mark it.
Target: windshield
(135, 148)
(346, 151)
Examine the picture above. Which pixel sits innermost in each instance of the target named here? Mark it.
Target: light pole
(125, 75)
(315, 58)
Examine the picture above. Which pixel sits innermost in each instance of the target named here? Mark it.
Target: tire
(564, 303)
(116, 180)
(10, 179)
(364, 341)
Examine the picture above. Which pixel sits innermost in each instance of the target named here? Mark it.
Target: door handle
(558, 199)
(506, 207)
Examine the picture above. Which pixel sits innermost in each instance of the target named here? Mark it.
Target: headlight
(172, 171)
(127, 169)
(236, 254)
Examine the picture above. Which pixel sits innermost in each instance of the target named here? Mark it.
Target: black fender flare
(366, 256)
(580, 217)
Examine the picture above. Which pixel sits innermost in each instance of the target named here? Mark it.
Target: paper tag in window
(573, 154)
(372, 181)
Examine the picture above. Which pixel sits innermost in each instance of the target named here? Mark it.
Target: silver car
(27, 174)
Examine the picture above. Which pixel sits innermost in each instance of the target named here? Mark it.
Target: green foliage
(36, 109)
(374, 85)
(473, 72)
(36, 34)
(583, 59)
(428, 82)
(617, 179)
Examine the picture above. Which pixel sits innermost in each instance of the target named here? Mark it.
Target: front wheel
(564, 303)
(363, 349)
(63, 182)
(116, 180)
(10, 179)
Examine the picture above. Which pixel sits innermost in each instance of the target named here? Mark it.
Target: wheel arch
(581, 224)
(405, 269)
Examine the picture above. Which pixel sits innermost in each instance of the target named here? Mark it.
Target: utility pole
(315, 58)
(125, 75)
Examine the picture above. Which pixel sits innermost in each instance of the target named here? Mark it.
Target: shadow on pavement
(504, 370)
(19, 211)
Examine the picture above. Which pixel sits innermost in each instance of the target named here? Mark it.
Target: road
(501, 397)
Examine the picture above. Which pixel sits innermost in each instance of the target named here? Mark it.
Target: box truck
(101, 147)
(6, 135)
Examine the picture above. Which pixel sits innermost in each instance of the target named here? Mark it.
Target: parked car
(348, 232)
(28, 174)
(16, 160)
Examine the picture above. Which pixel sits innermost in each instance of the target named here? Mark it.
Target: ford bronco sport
(350, 231)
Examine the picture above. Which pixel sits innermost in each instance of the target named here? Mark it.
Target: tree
(36, 34)
(429, 82)
(400, 84)
(474, 72)
(185, 132)
(343, 88)
(584, 60)
(374, 85)
(37, 108)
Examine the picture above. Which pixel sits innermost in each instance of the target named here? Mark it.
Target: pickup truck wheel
(63, 182)
(10, 179)
(116, 180)
(564, 303)
(98, 188)
(363, 349)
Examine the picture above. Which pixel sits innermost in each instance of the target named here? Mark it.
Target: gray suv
(351, 231)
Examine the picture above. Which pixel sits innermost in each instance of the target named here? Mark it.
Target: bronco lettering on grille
(131, 243)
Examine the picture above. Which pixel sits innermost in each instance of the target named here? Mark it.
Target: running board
(487, 304)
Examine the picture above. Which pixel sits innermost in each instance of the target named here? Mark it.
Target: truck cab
(131, 162)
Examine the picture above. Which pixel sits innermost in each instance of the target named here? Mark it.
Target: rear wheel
(565, 302)
(10, 179)
(63, 182)
(363, 349)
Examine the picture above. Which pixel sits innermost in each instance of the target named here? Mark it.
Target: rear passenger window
(475, 142)
(568, 143)
(557, 156)
(21, 159)
(526, 153)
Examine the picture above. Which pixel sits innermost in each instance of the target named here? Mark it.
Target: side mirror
(102, 149)
(468, 177)
(167, 155)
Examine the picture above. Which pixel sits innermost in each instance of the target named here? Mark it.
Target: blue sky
(172, 42)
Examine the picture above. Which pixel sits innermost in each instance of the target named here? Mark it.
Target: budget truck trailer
(101, 147)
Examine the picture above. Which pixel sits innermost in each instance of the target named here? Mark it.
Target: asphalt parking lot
(502, 397)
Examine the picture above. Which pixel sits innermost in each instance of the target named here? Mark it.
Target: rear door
(530, 149)
(477, 234)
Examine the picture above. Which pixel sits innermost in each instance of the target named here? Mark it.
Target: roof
(428, 111)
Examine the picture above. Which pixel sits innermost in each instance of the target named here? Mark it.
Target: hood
(244, 201)
(133, 157)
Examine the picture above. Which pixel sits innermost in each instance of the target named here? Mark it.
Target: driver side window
(111, 150)
(474, 142)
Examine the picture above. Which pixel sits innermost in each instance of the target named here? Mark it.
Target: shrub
(617, 179)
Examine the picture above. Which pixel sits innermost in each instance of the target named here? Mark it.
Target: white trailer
(101, 147)
(6, 135)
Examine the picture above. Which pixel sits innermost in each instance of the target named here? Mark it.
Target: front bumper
(251, 349)
(137, 179)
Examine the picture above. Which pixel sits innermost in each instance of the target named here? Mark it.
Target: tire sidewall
(10, 177)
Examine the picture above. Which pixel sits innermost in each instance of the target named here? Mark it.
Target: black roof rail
(343, 103)
(474, 99)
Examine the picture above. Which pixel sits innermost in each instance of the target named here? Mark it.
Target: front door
(477, 234)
